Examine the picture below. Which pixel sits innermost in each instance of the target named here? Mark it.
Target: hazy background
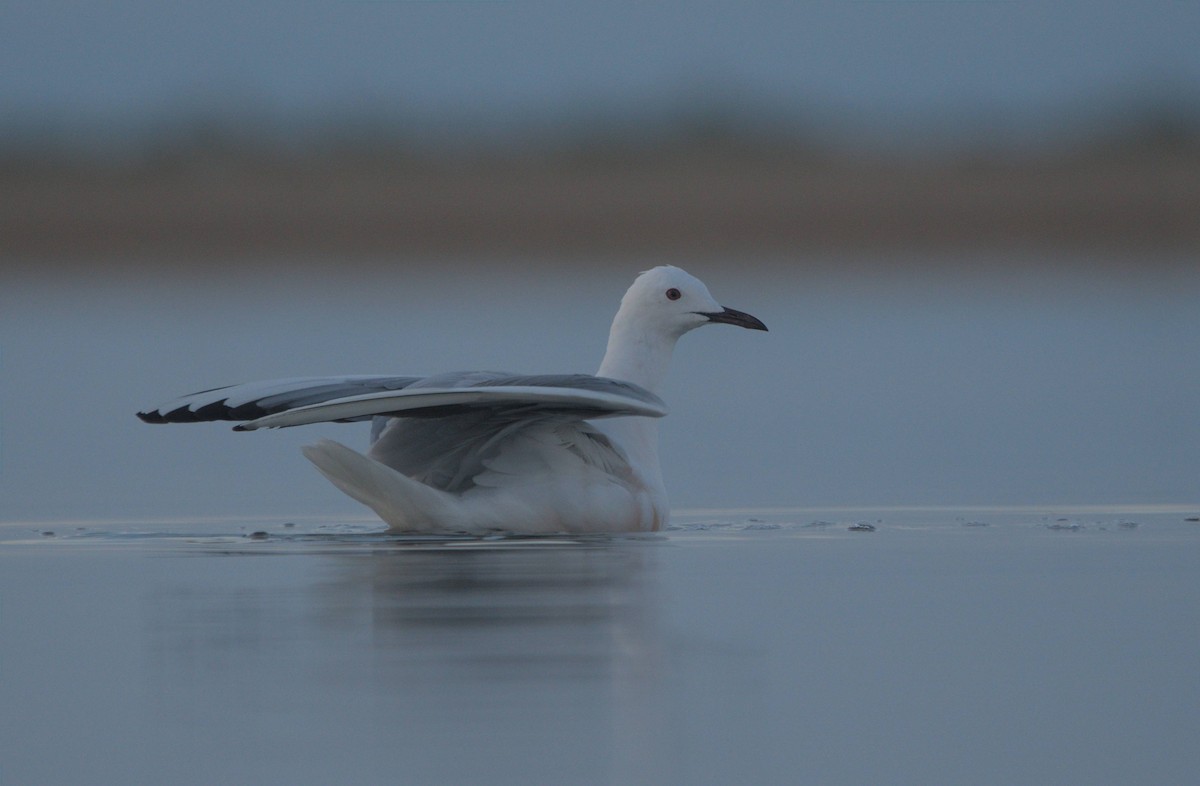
(971, 227)
(889, 74)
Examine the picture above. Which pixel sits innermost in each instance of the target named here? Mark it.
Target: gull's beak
(731, 316)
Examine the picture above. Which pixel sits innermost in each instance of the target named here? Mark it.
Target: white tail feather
(403, 503)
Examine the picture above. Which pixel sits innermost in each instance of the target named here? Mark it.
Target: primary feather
(253, 400)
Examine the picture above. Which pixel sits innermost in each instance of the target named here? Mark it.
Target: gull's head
(670, 301)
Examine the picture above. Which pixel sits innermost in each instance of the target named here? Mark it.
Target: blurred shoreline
(701, 197)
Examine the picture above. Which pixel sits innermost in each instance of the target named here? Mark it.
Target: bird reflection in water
(535, 654)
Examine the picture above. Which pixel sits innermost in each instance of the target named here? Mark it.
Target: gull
(482, 452)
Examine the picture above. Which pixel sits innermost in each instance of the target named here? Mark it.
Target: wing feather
(595, 401)
(253, 400)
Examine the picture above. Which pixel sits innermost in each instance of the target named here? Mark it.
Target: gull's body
(482, 451)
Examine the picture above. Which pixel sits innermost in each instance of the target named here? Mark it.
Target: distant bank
(664, 201)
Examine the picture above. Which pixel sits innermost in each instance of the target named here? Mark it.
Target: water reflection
(503, 613)
(726, 653)
(546, 660)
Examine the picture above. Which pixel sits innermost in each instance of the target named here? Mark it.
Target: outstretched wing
(576, 395)
(254, 400)
(441, 430)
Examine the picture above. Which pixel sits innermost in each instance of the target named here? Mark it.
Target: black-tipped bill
(731, 316)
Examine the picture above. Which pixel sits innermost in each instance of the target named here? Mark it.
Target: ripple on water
(299, 533)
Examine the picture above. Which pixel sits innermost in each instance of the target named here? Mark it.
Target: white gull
(479, 452)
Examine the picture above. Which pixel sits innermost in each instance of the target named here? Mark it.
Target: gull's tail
(406, 505)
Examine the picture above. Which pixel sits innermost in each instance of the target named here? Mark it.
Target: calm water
(945, 646)
(153, 637)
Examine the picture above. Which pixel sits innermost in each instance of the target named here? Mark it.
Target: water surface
(161, 622)
(971, 646)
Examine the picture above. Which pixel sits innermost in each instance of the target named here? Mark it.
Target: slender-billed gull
(478, 452)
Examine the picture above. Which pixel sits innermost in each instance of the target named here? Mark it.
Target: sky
(897, 68)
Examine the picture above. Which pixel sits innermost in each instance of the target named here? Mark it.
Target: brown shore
(690, 202)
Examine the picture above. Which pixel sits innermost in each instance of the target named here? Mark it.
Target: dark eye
(673, 294)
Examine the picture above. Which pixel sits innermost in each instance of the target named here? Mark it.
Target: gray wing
(453, 453)
(438, 429)
(459, 423)
(254, 400)
(491, 395)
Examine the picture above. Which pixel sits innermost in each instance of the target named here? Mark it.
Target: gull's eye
(673, 294)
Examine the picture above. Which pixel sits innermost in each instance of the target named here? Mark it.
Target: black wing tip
(183, 416)
(179, 415)
(216, 410)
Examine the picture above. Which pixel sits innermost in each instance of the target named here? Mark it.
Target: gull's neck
(636, 354)
(639, 353)
(640, 356)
